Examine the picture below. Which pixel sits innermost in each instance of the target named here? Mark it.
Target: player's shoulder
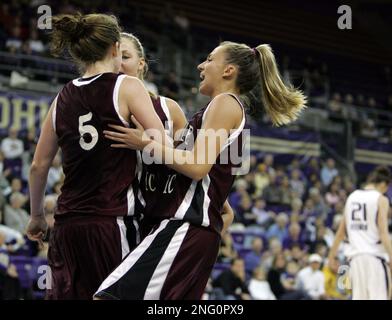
(172, 105)
(225, 106)
(131, 82)
(383, 200)
(228, 100)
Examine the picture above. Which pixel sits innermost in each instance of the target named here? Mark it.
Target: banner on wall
(22, 111)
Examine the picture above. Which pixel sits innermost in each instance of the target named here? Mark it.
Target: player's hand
(128, 137)
(37, 229)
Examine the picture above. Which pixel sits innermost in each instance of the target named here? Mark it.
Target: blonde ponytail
(283, 103)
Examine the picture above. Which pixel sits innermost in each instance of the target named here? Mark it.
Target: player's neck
(225, 88)
(98, 68)
(372, 187)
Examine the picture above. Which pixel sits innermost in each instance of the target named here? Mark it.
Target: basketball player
(88, 240)
(369, 251)
(154, 176)
(175, 260)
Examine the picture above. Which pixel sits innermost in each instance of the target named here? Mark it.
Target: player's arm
(223, 115)
(382, 220)
(134, 95)
(227, 216)
(43, 157)
(340, 234)
(177, 116)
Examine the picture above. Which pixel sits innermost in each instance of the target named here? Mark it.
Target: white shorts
(370, 278)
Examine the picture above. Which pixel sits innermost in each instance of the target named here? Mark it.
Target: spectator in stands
(269, 163)
(309, 208)
(35, 44)
(286, 191)
(320, 208)
(4, 174)
(14, 216)
(11, 146)
(55, 172)
(244, 212)
(253, 258)
(232, 281)
(10, 239)
(368, 129)
(227, 251)
(312, 168)
(235, 197)
(14, 42)
(282, 290)
(335, 104)
(272, 194)
(296, 207)
(332, 195)
(275, 273)
(258, 287)
(293, 237)
(332, 291)
(16, 186)
(288, 278)
(328, 172)
(311, 279)
(279, 228)
(263, 218)
(297, 254)
(296, 183)
(261, 179)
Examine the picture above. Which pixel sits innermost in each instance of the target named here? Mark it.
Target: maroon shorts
(173, 262)
(83, 251)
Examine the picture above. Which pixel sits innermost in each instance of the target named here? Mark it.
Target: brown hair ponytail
(283, 103)
(260, 82)
(86, 38)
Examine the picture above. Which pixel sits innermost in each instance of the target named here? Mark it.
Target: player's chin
(203, 89)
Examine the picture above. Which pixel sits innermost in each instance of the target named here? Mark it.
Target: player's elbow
(39, 166)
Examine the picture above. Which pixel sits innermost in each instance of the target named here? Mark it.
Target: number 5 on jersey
(89, 130)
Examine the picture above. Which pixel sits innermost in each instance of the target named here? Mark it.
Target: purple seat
(238, 238)
(23, 266)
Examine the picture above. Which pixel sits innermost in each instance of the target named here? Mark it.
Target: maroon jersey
(169, 194)
(98, 178)
(154, 176)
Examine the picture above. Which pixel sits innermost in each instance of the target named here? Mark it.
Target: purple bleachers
(27, 268)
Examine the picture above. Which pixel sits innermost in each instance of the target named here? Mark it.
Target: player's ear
(116, 49)
(142, 63)
(229, 71)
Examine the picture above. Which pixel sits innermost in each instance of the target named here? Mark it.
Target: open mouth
(202, 77)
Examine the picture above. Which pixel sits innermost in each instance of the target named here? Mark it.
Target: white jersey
(361, 215)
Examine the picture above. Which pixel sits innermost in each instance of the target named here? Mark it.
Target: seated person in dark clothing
(280, 280)
(227, 251)
(232, 281)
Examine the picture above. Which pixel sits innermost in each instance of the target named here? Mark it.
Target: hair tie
(255, 51)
